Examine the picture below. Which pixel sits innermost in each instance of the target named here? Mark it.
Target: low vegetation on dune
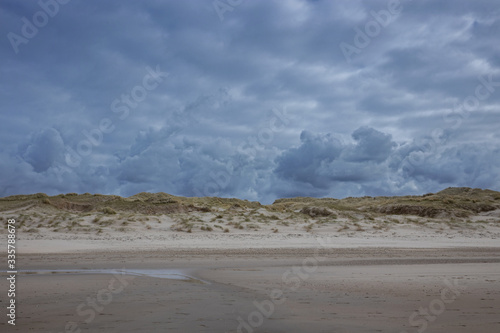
(451, 202)
(96, 213)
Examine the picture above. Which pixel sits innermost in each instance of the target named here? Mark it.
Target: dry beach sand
(270, 290)
(327, 268)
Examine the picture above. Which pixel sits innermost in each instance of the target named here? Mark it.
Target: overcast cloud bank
(120, 97)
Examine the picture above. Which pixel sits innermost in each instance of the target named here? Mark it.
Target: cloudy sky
(251, 99)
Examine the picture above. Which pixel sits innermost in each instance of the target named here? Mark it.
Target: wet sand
(262, 290)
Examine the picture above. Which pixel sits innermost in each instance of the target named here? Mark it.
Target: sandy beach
(158, 263)
(282, 289)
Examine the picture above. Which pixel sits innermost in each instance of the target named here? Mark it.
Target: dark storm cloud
(43, 150)
(80, 114)
(321, 160)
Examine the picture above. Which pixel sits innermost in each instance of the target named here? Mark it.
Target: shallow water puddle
(171, 274)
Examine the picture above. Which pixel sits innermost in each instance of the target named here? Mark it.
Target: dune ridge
(452, 217)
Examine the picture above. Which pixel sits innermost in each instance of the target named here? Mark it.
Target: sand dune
(91, 263)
